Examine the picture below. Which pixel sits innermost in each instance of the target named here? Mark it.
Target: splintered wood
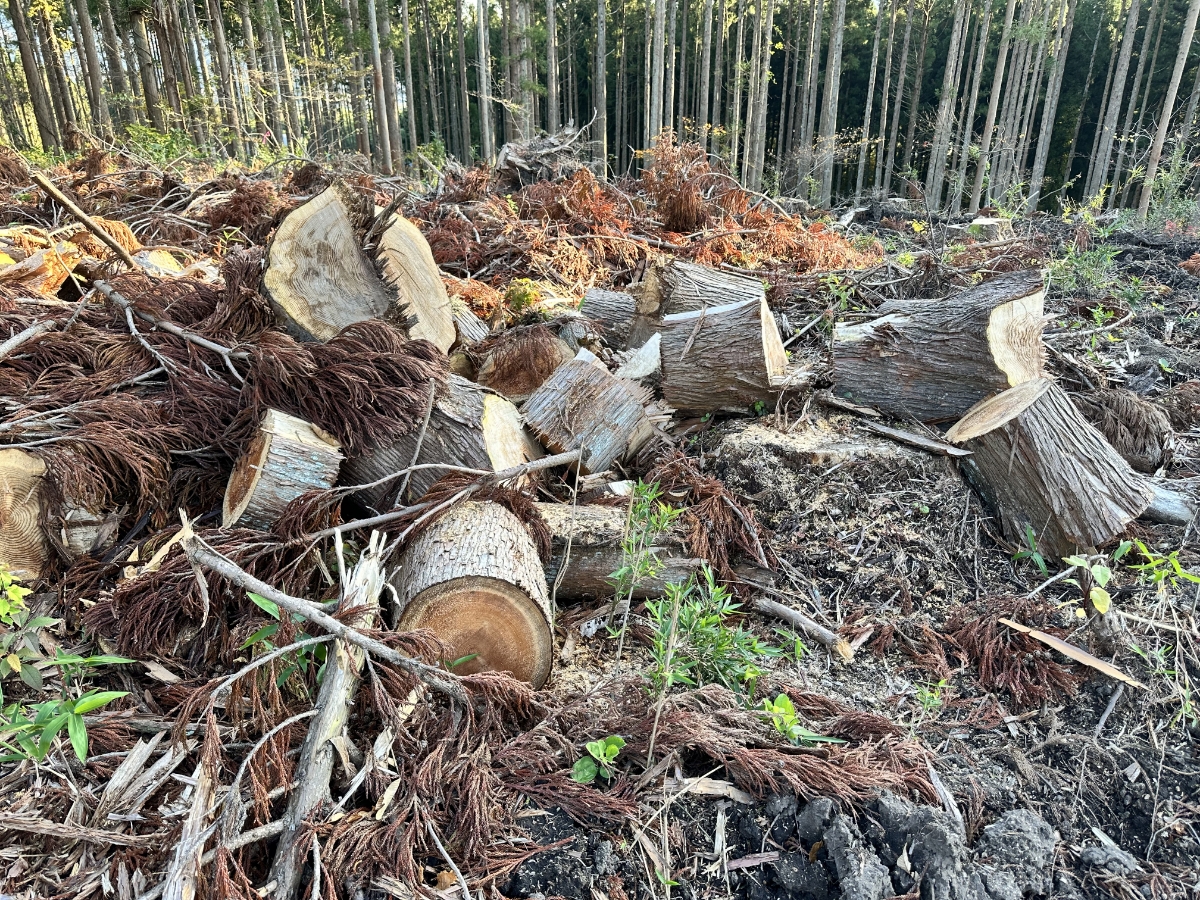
(474, 578)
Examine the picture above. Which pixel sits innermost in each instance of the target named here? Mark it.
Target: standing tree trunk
(1087, 89)
(883, 110)
(894, 131)
(915, 104)
(390, 91)
(718, 69)
(747, 171)
(1099, 171)
(229, 108)
(668, 117)
(1134, 92)
(1050, 110)
(600, 89)
(464, 99)
(42, 112)
(737, 76)
(940, 145)
(960, 175)
(112, 53)
(657, 70)
(487, 138)
(553, 108)
(866, 129)
(95, 76)
(989, 123)
(410, 89)
(760, 101)
(705, 75)
(141, 43)
(285, 70)
(683, 80)
(1164, 119)
(1142, 107)
(383, 139)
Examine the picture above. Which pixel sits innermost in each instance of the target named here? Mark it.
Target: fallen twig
(819, 633)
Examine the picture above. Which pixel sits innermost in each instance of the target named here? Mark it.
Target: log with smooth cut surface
(318, 280)
(474, 578)
(287, 457)
(1048, 471)
(409, 269)
(468, 427)
(722, 357)
(932, 360)
(583, 407)
(23, 549)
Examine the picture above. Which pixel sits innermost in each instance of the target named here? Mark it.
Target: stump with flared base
(932, 360)
(1048, 471)
(287, 457)
(474, 578)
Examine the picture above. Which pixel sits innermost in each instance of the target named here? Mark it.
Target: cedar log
(932, 360)
(23, 549)
(516, 362)
(408, 268)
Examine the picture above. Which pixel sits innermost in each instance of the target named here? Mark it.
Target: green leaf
(1101, 600)
(1075, 561)
(32, 677)
(265, 632)
(585, 770)
(77, 729)
(1101, 575)
(268, 606)
(94, 700)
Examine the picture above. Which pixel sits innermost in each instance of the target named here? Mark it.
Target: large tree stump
(23, 549)
(722, 357)
(468, 427)
(588, 540)
(583, 407)
(474, 578)
(516, 362)
(1047, 470)
(932, 360)
(287, 457)
(409, 269)
(318, 280)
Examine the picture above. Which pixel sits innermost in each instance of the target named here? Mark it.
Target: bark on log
(23, 549)
(287, 457)
(468, 427)
(474, 578)
(318, 280)
(516, 362)
(594, 535)
(583, 407)
(1047, 470)
(934, 360)
(722, 357)
(690, 286)
(334, 701)
(468, 327)
(408, 268)
(614, 311)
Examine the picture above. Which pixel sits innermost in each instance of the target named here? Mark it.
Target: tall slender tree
(553, 107)
(702, 126)
(600, 88)
(1099, 170)
(989, 123)
(869, 105)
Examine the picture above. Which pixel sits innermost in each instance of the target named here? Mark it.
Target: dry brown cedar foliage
(251, 209)
(676, 178)
(521, 357)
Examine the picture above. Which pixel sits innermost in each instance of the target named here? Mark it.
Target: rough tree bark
(870, 104)
(42, 112)
(989, 123)
(553, 107)
(1099, 171)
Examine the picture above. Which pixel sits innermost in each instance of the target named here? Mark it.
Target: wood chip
(1076, 653)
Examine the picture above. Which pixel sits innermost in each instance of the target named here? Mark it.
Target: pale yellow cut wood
(318, 279)
(287, 457)
(409, 269)
(23, 548)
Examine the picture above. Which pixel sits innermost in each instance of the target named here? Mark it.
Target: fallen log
(581, 406)
(23, 549)
(408, 268)
(468, 427)
(474, 578)
(614, 311)
(1168, 507)
(516, 362)
(586, 550)
(690, 286)
(318, 280)
(722, 357)
(1048, 471)
(287, 457)
(468, 327)
(336, 697)
(932, 360)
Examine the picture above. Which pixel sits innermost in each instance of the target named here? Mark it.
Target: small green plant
(20, 648)
(799, 649)
(931, 698)
(599, 761)
(1088, 273)
(692, 644)
(1094, 577)
(30, 732)
(521, 294)
(841, 292)
(301, 659)
(1031, 553)
(759, 408)
(12, 595)
(1162, 572)
(781, 713)
(1156, 659)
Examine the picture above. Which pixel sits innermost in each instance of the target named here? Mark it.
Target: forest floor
(970, 759)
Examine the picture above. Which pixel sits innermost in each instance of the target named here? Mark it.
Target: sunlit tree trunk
(600, 88)
(383, 140)
(487, 138)
(229, 108)
(464, 99)
(657, 71)
(717, 116)
(829, 111)
(1134, 92)
(985, 141)
(391, 92)
(1142, 107)
(914, 111)
(1099, 170)
(702, 125)
(940, 145)
(553, 107)
(1050, 109)
(894, 131)
(112, 53)
(43, 112)
(95, 75)
(747, 170)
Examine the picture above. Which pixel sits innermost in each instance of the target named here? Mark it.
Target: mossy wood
(932, 360)
(474, 578)
(722, 357)
(1048, 471)
(468, 427)
(583, 407)
(287, 457)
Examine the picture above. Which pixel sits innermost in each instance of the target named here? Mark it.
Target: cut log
(985, 229)
(1048, 471)
(932, 360)
(470, 329)
(474, 579)
(516, 362)
(583, 407)
(1137, 429)
(23, 549)
(689, 286)
(287, 457)
(588, 540)
(723, 357)
(318, 280)
(408, 268)
(468, 427)
(614, 311)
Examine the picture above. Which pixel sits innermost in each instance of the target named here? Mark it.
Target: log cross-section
(474, 578)
(22, 544)
(1048, 471)
(932, 360)
(583, 407)
(722, 357)
(287, 457)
